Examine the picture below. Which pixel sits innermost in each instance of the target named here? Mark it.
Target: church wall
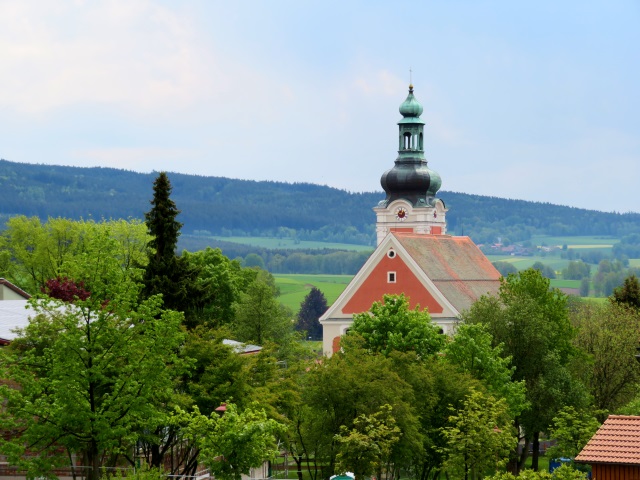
(377, 284)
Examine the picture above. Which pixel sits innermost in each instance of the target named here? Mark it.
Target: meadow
(275, 243)
(293, 287)
(575, 242)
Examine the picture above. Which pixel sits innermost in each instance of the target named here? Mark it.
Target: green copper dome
(410, 178)
(411, 107)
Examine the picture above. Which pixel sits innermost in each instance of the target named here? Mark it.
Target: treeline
(223, 206)
(310, 261)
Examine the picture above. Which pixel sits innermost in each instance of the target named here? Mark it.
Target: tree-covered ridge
(223, 206)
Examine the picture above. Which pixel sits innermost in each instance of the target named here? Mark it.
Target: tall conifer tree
(166, 273)
(311, 309)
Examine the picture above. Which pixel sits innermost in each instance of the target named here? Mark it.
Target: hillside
(223, 206)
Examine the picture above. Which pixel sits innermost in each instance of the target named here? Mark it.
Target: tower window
(407, 141)
(391, 277)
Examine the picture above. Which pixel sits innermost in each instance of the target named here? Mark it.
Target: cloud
(135, 54)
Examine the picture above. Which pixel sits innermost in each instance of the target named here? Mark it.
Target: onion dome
(410, 107)
(410, 178)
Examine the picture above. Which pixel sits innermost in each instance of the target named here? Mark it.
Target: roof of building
(11, 286)
(448, 275)
(242, 348)
(616, 442)
(455, 265)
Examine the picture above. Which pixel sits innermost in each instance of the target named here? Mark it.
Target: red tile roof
(455, 265)
(616, 442)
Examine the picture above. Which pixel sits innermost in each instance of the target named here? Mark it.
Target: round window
(391, 254)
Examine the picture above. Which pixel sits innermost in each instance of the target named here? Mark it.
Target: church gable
(391, 275)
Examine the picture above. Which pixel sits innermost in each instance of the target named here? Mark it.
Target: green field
(559, 283)
(522, 263)
(293, 288)
(290, 244)
(575, 242)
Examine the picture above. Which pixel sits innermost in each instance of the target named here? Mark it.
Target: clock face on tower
(401, 214)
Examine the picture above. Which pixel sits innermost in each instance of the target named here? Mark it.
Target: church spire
(410, 186)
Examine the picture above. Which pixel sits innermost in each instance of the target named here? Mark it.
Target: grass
(289, 244)
(560, 283)
(293, 288)
(522, 263)
(575, 242)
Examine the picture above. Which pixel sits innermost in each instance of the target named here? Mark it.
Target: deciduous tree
(259, 315)
(479, 436)
(390, 325)
(368, 445)
(232, 444)
(571, 429)
(607, 334)
(531, 321)
(628, 293)
(91, 375)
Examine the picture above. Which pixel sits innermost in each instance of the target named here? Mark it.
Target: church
(414, 254)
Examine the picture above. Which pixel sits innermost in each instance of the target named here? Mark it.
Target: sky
(534, 100)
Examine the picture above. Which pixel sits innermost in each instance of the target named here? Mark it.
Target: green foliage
(607, 334)
(546, 270)
(628, 293)
(368, 445)
(166, 274)
(531, 321)
(217, 373)
(505, 268)
(91, 376)
(471, 351)
(235, 442)
(312, 307)
(391, 326)
(220, 282)
(479, 436)
(259, 316)
(571, 429)
(336, 392)
(225, 206)
(564, 472)
(576, 270)
(143, 473)
(34, 252)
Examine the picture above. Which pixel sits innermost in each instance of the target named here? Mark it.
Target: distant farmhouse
(414, 256)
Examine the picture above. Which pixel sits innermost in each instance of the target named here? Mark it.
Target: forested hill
(243, 207)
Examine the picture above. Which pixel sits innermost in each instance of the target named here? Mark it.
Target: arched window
(421, 147)
(407, 141)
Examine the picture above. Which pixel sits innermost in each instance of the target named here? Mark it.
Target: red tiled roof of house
(616, 442)
(455, 265)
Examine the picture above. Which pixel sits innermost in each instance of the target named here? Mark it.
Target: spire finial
(410, 80)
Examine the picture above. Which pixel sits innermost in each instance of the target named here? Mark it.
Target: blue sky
(530, 100)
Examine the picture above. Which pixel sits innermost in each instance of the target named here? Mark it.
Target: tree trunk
(93, 462)
(524, 454)
(298, 460)
(512, 466)
(536, 451)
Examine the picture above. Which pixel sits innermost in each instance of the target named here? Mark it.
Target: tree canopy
(391, 326)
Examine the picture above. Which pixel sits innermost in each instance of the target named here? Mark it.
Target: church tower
(415, 256)
(411, 205)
